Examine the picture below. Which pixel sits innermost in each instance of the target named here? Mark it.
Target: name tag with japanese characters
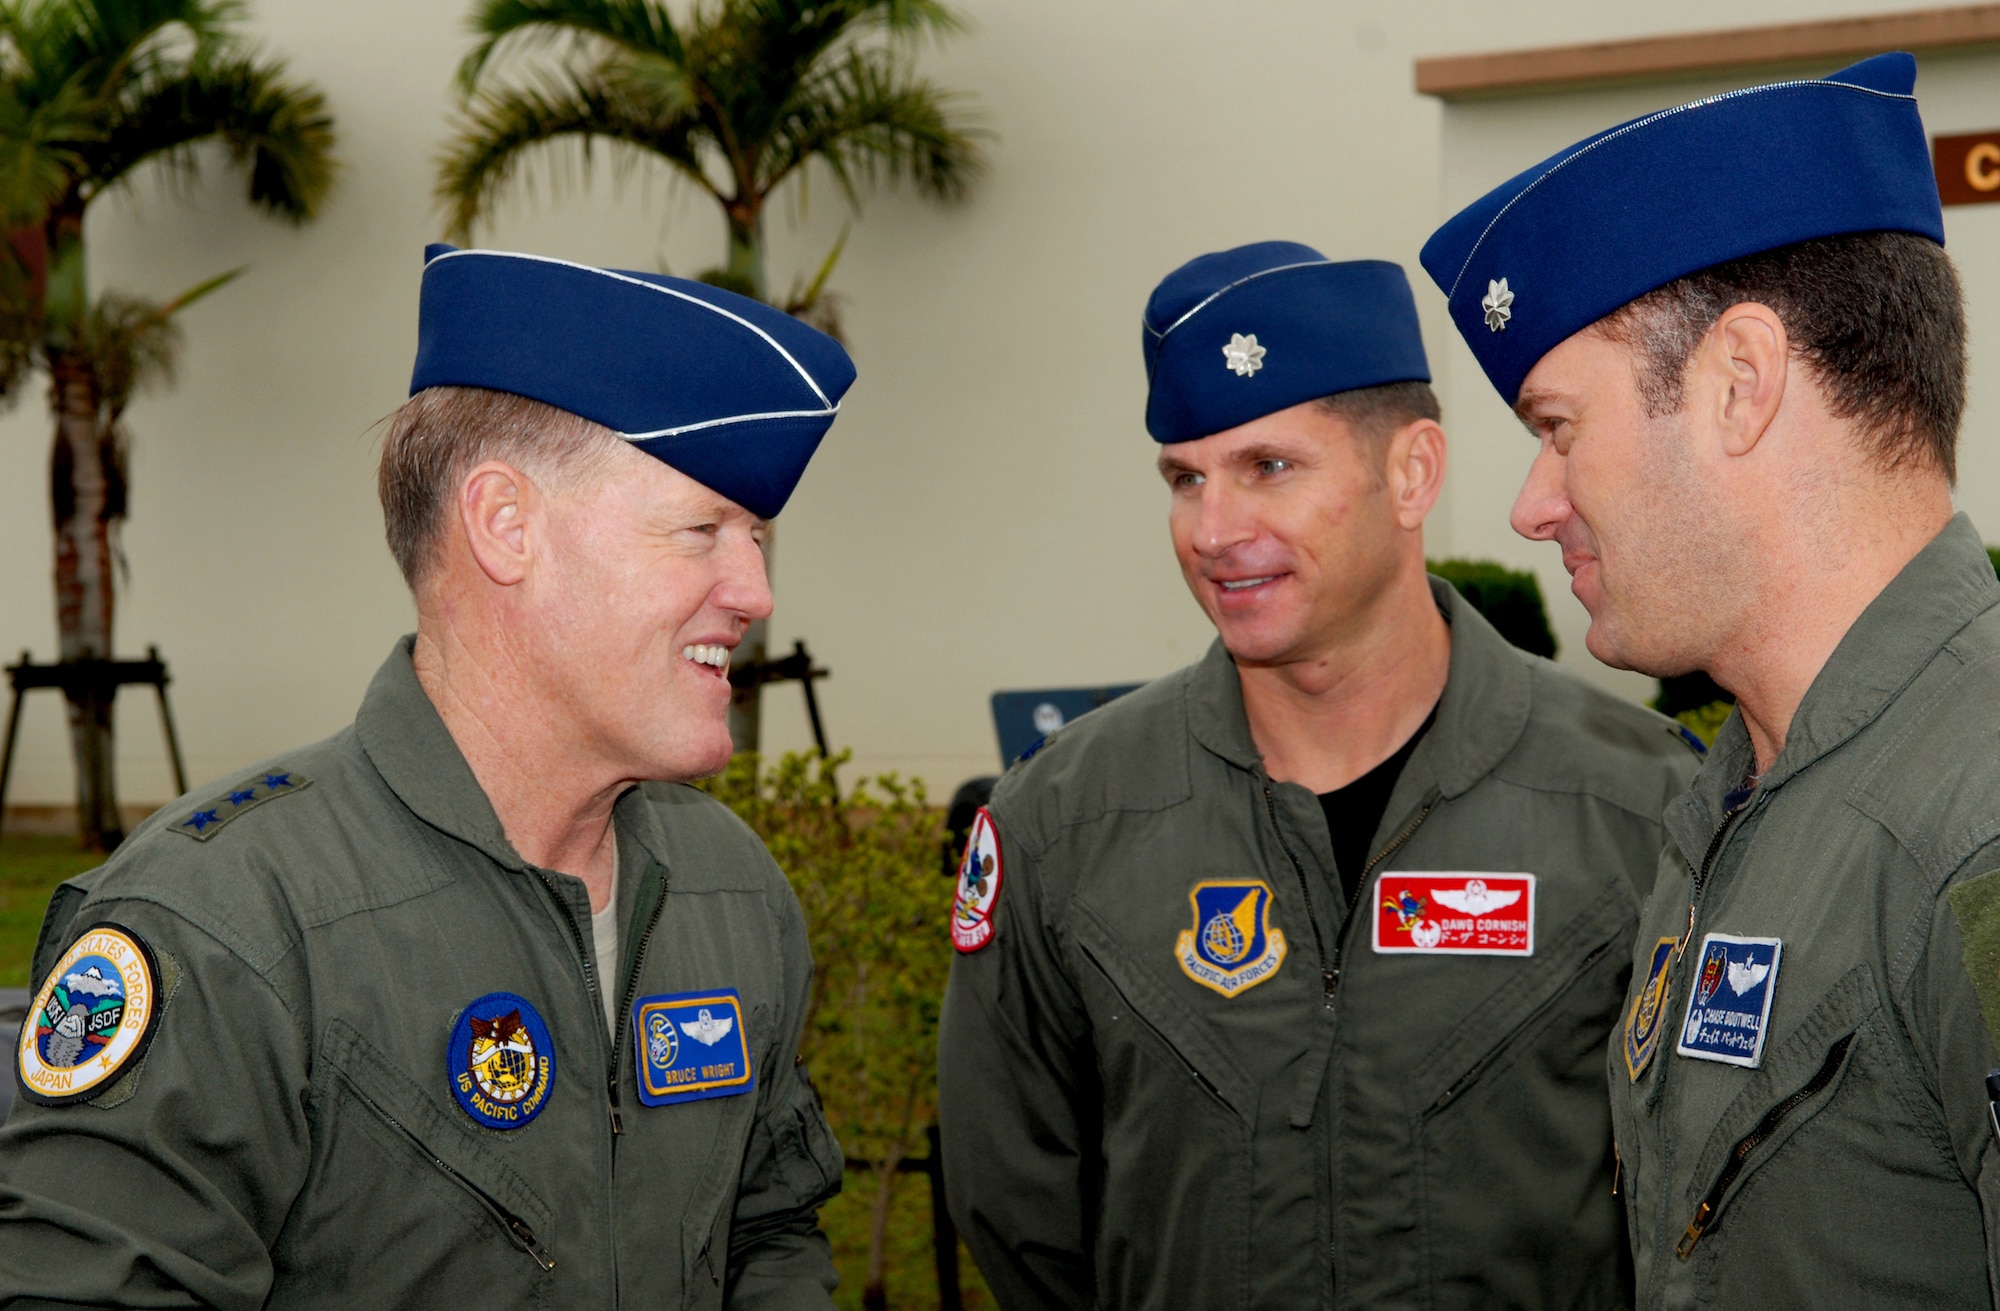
(1457, 914)
(1729, 1004)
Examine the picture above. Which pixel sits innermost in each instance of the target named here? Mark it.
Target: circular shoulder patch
(978, 886)
(94, 1017)
(501, 1061)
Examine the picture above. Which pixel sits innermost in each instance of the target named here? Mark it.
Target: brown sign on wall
(1968, 168)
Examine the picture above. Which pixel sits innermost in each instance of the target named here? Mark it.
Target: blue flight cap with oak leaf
(1243, 333)
(1593, 228)
(728, 390)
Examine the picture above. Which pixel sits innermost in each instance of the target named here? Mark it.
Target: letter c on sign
(1982, 166)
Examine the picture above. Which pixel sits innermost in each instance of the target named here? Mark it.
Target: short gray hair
(443, 433)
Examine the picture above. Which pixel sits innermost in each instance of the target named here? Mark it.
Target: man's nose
(1543, 503)
(746, 585)
(1225, 520)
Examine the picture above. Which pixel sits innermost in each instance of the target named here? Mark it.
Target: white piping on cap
(770, 341)
(1224, 291)
(734, 418)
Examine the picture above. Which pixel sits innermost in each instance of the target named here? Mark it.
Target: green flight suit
(1855, 1165)
(1358, 1128)
(291, 1139)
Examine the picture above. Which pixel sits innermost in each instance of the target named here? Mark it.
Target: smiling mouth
(1244, 584)
(710, 656)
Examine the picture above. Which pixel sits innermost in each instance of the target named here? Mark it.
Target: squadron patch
(691, 1045)
(1456, 914)
(1729, 1002)
(94, 1017)
(501, 1061)
(978, 886)
(1232, 946)
(1649, 1001)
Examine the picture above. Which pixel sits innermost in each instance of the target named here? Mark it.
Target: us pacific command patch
(94, 1017)
(1232, 946)
(979, 874)
(205, 821)
(691, 1046)
(1975, 904)
(501, 1061)
(1649, 1003)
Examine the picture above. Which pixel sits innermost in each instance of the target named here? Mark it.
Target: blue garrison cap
(731, 392)
(1243, 333)
(1587, 231)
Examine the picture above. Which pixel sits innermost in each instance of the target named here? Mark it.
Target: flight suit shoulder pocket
(370, 1115)
(1798, 1078)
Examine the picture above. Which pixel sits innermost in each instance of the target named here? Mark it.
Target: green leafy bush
(864, 864)
(1510, 599)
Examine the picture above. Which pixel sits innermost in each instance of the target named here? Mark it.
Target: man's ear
(500, 510)
(1746, 359)
(1415, 471)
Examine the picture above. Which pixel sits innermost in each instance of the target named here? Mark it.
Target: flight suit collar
(414, 752)
(1482, 714)
(1943, 588)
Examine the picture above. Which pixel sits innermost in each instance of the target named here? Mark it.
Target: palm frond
(869, 117)
(132, 344)
(503, 127)
(40, 155)
(277, 130)
(638, 25)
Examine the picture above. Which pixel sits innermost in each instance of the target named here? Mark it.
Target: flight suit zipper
(1700, 874)
(1768, 1125)
(625, 1000)
(590, 983)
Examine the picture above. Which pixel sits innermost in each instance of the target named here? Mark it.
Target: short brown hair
(1378, 411)
(443, 433)
(1878, 318)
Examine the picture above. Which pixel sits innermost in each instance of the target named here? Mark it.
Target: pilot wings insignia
(707, 1029)
(1475, 898)
(1744, 977)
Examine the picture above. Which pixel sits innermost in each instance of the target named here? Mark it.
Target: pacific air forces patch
(502, 1061)
(978, 886)
(1649, 1003)
(94, 1017)
(1232, 946)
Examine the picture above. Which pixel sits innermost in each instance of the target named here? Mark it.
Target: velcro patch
(1455, 914)
(1729, 1001)
(205, 821)
(93, 1019)
(691, 1046)
(978, 886)
(1975, 904)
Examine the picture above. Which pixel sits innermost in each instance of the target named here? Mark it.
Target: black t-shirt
(1354, 812)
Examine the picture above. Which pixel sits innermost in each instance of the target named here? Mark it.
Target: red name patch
(1455, 914)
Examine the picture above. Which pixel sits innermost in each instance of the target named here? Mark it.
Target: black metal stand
(747, 677)
(83, 680)
(944, 1234)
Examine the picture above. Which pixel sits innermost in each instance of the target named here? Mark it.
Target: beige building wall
(984, 515)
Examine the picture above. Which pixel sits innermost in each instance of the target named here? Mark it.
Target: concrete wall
(984, 515)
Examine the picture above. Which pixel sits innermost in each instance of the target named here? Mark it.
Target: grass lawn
(30, 868)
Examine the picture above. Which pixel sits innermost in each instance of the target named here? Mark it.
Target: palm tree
(736, 101)
(91, 91)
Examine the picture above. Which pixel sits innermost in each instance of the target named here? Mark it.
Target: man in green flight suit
(1734, 330)
(1283, 980)
(473, 1004)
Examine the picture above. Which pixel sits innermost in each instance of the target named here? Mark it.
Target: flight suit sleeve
(1017, 1106)
(778, 1256)
(1956, 994)
(167, 1188)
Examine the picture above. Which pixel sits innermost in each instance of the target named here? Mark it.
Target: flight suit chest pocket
(1798, 1078)
(408, 1205)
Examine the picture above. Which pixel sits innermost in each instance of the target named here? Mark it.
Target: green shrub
(1510, 599)
(864, 864)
